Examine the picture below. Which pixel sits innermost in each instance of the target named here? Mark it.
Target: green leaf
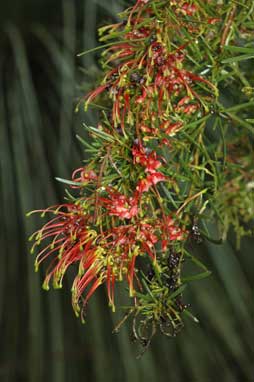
(196, 261)
(69, 182)
(199, 276)
(178, 291)
(98, 48)
(148, 290)
(190, 315)
(84, 143)
(243, 57)
(239, 49)
(168, 194)
(101, 134)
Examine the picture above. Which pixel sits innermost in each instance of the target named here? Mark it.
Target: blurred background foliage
(40, 338)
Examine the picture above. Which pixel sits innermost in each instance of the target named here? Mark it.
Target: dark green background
(40, 338)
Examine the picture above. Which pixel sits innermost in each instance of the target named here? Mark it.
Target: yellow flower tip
(45, 286)
(57, 280)
(36, 267)
(76, 307)
(112, 306)
(76, 313)
(132, 292)
(57, 285)
(38, 235)
(38, 242)
(83, 321)
(81, 271)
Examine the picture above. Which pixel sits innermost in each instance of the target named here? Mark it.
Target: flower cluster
(100, 257)
(151, 163)
(151, 168)
(121, 206)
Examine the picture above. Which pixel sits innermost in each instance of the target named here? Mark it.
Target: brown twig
(228, 25)
(102, 168)
(188, 200)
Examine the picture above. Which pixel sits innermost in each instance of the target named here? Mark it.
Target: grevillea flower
(171, 128)
(68, 234)
(213, 20)
(94, 233)
(151, 180)
(120, 224)
(83, 176)
(147, 160)
(121, 206)
(188, 9)
(171, 232)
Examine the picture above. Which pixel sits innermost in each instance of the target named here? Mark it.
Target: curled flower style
(83, 176)
(68, 234)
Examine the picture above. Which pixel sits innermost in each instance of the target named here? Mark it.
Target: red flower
(93, 94)
(188, 9)
(143, 186)
(146, 129)
(136, 34)
(151, 180)
(121, 206)
(184, 101)
(141, 98)
(149, 161)
(83, 175)
(124, 244)
(148, 87)
(171, 128)
(213, 20)
(157, 49)
(190, 109)
(152, 163)
(70, 239)
(156, 177)
(170, 231)
(147, 234)
(139, 154)
(186, 106)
